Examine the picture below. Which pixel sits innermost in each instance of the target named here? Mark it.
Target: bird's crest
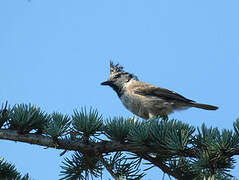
(115, 68)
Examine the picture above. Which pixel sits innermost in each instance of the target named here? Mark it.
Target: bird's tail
(203, 106)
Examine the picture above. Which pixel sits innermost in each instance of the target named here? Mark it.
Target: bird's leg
(164, 116)
(151, 116)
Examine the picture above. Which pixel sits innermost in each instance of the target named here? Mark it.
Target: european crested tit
(146, 100)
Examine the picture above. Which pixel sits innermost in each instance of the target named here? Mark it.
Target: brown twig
(109, 169)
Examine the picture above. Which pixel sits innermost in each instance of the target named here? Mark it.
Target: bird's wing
(145, 89)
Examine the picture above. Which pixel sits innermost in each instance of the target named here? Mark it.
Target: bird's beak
(106, 83)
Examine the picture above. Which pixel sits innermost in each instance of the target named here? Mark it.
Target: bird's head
(118, 78)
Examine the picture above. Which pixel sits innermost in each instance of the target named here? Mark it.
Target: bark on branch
(98, 147)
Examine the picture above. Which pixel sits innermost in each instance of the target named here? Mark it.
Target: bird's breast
(134, 103)
(130, 101)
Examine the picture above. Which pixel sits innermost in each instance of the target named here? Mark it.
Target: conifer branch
(95, 147)
(67, 144)
(182, 151)
(159, 163)
(107, 166)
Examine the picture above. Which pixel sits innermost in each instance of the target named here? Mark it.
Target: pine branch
(109, 169)
(9, 171)
(3, 114)
(67, 144)
(159, 163)
(181, 151)
(95, 147)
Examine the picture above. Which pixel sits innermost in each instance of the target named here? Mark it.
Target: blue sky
(56, 53)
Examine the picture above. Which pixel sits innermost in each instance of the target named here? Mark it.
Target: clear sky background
(56, 53)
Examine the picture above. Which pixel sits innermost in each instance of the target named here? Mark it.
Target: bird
(146, 100)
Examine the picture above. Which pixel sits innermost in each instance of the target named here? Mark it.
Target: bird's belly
(135, 105)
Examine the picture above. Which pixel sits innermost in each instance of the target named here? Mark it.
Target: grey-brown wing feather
(145, 89)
